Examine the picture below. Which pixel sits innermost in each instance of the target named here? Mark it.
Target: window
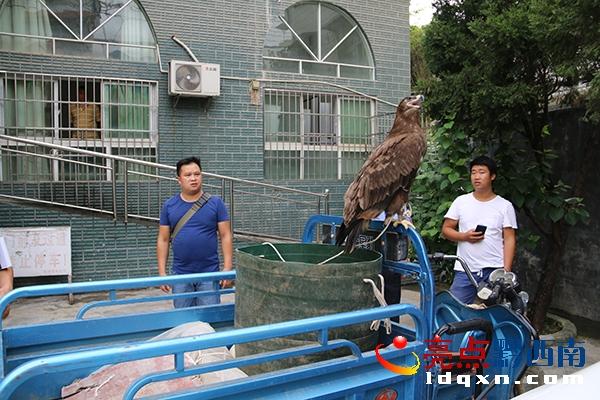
(318, 39)
(109, 29)
(111, 116)
(316, 135)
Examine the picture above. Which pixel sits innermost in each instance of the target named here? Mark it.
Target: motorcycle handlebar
(438, 257)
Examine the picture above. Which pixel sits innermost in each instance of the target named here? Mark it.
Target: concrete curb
(567, 332)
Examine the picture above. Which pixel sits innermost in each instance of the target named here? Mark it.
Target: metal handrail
(51, 157)
(119, 180)
(154, 165)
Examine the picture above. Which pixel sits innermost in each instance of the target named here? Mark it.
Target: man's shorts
(463, 289)
(195, 300)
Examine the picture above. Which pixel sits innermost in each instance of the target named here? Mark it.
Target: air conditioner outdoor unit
(194, 79)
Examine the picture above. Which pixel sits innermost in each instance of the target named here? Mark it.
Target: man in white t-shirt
(483, 251)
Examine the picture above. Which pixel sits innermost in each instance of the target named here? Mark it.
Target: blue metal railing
(112, 286)
(177, 347)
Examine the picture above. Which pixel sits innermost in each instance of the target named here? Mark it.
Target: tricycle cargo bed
(39, 360)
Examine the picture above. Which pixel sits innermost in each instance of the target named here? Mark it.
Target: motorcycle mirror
(524, 297)
(496, 275)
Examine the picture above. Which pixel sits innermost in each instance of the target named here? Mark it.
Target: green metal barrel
(269, 290)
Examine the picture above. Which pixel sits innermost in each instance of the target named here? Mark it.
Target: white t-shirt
(496, 214)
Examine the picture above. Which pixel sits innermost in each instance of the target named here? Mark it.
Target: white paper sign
(39, 251)
(4, 256)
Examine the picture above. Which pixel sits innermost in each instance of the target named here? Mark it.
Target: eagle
(384, 181)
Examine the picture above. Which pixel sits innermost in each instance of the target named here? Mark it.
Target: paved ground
(55, 308)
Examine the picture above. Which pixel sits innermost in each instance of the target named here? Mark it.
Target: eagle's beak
(416, 103)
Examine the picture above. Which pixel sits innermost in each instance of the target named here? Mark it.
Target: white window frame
(338, 147)
(105, 144)
(79, 38)
(319, 58)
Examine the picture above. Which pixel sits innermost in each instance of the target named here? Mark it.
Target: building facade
(303, 86)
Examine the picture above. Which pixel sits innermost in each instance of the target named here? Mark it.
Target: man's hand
(226, 284)
(165, 288)
(472, 237)
(450, 232)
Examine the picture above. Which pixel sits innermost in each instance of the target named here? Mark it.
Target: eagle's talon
(405, 223)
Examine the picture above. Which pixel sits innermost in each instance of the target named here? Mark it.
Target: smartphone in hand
(481, 229)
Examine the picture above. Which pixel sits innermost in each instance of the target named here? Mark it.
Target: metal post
(113, 178)
(231, 206)
(326, 201)
(70, 296)
(125, 208)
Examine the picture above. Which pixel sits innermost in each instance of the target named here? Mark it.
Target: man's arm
(450, 232)
(510, 247)
(162, 252)
(226, 238)
(6, 285)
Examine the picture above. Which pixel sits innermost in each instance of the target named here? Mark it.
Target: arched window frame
(151, 51)
(320, 58)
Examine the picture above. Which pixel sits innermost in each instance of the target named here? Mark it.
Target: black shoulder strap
(190, 213)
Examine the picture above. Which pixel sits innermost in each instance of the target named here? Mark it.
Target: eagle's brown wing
(393, 165)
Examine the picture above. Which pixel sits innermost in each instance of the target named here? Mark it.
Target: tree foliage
(498, 67)
(419, 71)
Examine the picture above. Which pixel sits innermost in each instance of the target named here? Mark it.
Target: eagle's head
(410, 105)
(407, 114)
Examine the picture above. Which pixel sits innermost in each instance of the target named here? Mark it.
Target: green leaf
(555, 201)
(446, 170)
(556, 214)
(454, 177)
(461, 162)
(442, 208)
(570, 219)
(518, 199)
(584, 214)
(546, 130)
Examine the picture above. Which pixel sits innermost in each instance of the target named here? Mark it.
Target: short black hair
(186, 161)
(486, 161)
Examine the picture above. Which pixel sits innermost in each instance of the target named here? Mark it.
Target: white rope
(387, 323)
(331, 258)
(362, 244)
(380, 233)
(102, 384)
(276, 251)
(341, 252)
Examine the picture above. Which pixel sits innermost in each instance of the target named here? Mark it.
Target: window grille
(316, 136)
(109, 29)
(111, 116)
(318, 39)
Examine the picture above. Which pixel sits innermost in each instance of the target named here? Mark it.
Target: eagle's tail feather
(350, 233)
